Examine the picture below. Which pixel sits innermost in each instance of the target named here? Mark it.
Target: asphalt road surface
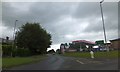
(57, 62)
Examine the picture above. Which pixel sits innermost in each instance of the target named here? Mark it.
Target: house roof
(4, 40)
(80, 41)
(115, 39)
(1, 39)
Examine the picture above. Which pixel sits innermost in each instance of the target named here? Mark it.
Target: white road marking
(79, 62)
(97, 62)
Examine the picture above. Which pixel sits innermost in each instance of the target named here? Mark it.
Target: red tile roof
(89, 42)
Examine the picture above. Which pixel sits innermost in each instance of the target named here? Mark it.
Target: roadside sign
(99, 42)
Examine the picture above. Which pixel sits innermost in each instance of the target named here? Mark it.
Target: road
(57, 62)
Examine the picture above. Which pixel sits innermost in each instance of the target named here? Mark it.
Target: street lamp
(103, 24)
(14, 35)
(14, 32)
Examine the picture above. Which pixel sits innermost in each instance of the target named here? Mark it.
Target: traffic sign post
(100, 42)
(92, 54)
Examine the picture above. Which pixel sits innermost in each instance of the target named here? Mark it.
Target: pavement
(58, 62)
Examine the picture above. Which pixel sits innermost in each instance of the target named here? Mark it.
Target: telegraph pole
(14, 37)
(103, 24)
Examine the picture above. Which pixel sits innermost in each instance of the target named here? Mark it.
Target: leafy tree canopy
(51, 51)
(33, 37)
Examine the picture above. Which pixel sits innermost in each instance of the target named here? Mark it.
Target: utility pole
(14, 37)
(103, 25)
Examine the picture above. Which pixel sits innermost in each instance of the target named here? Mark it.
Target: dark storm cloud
(119, 19)
(7, 14)
(93, 13)
(48, 14)
(65, 21)
(87, 9)
(39, 11)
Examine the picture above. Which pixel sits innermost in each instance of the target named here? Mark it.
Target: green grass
(111, 54)
(11, 62)
(0, 62)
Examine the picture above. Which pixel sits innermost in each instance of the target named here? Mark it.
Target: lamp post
(14, 32)
(14, 36)
(103, 24)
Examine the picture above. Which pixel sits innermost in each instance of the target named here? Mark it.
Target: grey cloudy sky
(66, 21)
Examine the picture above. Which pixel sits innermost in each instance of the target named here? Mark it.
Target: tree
(71, 45)
(66, 44)
(33, 37)
(58, 51)
(51, 51)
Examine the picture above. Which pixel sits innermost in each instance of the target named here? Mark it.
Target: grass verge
(111, 54)
(0, 62)
(11, 62)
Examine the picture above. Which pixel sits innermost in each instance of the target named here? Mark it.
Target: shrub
(22, 52)
(7, 50)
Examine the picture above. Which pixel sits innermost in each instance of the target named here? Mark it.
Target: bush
(22, 52)
(7, 50)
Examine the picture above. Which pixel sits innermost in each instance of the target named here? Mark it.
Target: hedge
(22, 52)
(8, 50)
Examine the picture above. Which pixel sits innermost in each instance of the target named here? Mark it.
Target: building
(5, 41)
(2, 40)
(115, 44)
(108, 46)
(100, 45)
(62, 48)
(83, 41)
(83, 45)
(72, 50)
